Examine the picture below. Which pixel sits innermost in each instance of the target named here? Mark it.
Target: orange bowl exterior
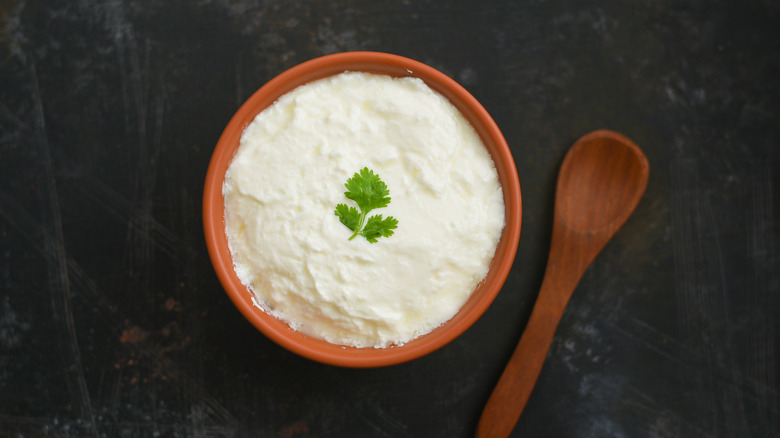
(316, 349)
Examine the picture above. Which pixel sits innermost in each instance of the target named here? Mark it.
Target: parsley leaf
(377, 227)
(369, 192)
(348, 216)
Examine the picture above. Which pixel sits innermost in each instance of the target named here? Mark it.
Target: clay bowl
(315, 349)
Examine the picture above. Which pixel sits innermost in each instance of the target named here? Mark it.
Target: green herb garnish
(369, 192)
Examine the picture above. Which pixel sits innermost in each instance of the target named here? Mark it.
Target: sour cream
(288, 175)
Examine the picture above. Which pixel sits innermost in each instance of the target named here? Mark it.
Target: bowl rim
(316, 349)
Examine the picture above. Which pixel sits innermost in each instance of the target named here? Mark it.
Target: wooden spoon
(600, 182)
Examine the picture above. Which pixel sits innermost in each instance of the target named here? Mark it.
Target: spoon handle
(566, 264)
(511, 394)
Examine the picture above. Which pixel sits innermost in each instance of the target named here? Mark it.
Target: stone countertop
(113, 323)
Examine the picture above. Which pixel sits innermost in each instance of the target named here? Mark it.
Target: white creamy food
(288, 175)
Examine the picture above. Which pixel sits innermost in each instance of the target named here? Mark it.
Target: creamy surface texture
(288, 175)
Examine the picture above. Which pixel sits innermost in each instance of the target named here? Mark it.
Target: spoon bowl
(602, 168)
(600, 182)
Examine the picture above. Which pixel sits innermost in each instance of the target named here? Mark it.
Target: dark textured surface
(112, 322)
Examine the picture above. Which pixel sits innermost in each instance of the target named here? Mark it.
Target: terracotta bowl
(214, 210)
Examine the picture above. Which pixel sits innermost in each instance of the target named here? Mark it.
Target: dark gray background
(113, 323)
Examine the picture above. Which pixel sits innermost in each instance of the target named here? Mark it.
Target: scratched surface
(113, 323)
